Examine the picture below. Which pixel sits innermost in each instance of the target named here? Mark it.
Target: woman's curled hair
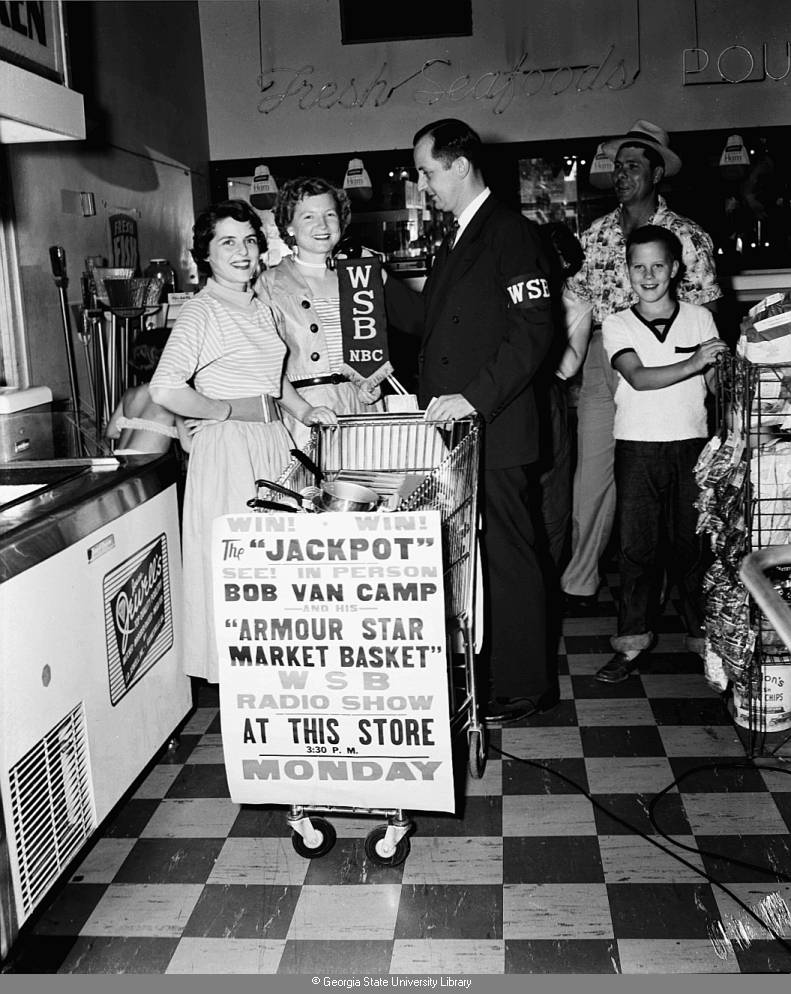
(206, 225)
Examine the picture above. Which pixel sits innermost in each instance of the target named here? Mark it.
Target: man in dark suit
(486, 325)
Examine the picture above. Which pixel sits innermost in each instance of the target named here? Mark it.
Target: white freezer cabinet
(91, 677)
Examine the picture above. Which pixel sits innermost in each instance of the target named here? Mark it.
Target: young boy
(664, 352)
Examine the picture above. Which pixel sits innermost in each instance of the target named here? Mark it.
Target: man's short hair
(647, 233)
(453, 138)
(653, 157)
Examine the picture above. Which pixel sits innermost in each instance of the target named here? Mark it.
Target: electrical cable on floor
(785, 943)
(736, 765)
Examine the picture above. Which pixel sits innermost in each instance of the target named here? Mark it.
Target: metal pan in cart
(421, 469)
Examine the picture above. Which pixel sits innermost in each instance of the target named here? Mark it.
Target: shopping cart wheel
(477, 752)
(373, 842)
(327, 841)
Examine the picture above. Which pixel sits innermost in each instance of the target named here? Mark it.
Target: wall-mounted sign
(736, 64)
(31, 36)
(123, 242)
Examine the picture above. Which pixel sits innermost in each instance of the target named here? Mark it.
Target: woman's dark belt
(316, 381)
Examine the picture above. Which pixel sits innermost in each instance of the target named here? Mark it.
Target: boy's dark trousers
(656, 491)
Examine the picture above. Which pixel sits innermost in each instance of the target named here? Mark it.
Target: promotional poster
(331, 642)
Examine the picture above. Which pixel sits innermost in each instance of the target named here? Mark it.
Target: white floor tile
(449, 956)
(193, 818)
(453, 860)
(228, 956)
(547, 814)
(356, 911)
(259, 861)
(143, 910)
(556, 911)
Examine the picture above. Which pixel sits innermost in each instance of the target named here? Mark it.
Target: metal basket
(102, 273)
(132, 295)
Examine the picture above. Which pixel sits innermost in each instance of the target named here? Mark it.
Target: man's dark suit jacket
(485, 320)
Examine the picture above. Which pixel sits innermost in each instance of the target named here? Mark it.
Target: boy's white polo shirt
(670, 413)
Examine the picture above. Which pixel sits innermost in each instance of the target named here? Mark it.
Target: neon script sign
(301, 87)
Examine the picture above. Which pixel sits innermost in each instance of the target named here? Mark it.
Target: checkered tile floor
(532, 877)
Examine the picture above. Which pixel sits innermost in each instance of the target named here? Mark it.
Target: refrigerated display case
(91, 677)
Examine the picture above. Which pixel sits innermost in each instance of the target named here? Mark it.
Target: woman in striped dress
(311, 216)
(223, 364)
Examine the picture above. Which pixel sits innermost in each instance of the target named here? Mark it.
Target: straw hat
(647, 134)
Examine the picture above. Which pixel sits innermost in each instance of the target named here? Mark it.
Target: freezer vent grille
(52, 806)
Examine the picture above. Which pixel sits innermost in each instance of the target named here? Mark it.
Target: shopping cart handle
(753, 573)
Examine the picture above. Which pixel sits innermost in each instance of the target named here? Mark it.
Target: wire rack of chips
(744, 476)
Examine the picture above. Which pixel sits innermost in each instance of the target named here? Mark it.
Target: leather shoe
(618, 669)
(504, 710)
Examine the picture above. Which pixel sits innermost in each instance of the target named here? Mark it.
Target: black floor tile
(552, 859)
(577, 644)
(215, 728)
(768, 856)
(707, 775)
(449, 911)
(561, 956)
(765, 956)
(480, 816)
(522, 778)
(783, 803)
(562, 716)
(38, 954)
(346, 863)
(621, 740)
(184, 746)
(70, 910)
(260, 822)
(336, 957)
(671, 662)
(632, 809)
(239, 911)
(662, 911)
(690, 711)
(169, 861)
(119, 955)
(200, 780)
(130, 820)
(589, 688)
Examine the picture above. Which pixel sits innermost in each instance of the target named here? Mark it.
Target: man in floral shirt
(601, 287)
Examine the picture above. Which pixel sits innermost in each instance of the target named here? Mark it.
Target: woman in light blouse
(302, 290)
(224, 365)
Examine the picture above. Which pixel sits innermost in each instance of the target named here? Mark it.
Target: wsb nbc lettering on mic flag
(366, 359)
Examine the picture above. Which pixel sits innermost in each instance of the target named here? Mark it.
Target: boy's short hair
(656, 233)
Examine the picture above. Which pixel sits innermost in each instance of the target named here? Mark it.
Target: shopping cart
(416, 465)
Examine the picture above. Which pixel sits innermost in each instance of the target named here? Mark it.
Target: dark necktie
(450, 235)
(447, 244)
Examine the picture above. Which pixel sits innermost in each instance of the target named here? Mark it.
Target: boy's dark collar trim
(659, 327)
